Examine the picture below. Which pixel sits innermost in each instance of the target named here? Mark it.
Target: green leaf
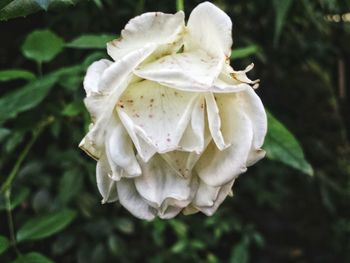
(4, 133)
(73, 109)
(42, 46)
(45, 226)
(44, 4)
(4, 244)
(282, 146)
(11, 74)
(32, 257)
(18, 197)
(70, 185)
(281, 9)
(91, 41)
(20, 8)
(240, 253)
(25, 98)
(244, 52)
(4, 3)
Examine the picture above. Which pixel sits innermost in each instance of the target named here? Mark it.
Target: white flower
(173, 123)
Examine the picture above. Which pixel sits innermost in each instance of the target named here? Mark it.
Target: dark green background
(277, 214)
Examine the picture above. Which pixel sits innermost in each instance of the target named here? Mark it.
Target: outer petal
(156, 114)
(105, 184)
(163, 188)
(256, 112)
(93, 75)
(120, 152)
(112, 84)
(208, 198)
(218, 167)
(189, 71)
(209, 28)
(241, 75)
(149, 28)
(132, 201)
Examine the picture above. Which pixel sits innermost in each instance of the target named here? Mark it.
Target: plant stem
(40, 69)
(10, 221)
(36, 132)
(180, 5)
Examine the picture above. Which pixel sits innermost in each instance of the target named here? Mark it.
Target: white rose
(173, 123)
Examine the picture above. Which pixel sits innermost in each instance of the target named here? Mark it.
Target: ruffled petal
(215, 123)
(208, 198)
(161, 186)
(149, 28)
(93, 75)
(217, 167)
(241, 75)
(156, 114)
(209, 29)
(113, 82)
(105, 184)
(120, 152)
(257, 114)
(132, 201)
(193, 71)
(193, 137)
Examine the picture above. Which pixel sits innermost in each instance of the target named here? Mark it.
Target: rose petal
(132, 201)
(215, 123)
(162, 187)
(105, 184)
(93, 75)
(182, 163)
(156, 114)
(113, 82)
(256, 112)
(209, 28)
(193, 137)
(120, 152)
(208, 198)
(217, 167)
(149, 28)
(189, 71)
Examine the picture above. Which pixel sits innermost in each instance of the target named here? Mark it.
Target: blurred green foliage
(50, 208)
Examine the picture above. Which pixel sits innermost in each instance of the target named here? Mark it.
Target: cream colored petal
(157, 114)
(208, 199)
(215, 122)
(217, 167)
(181, 162)
(210, 29)
(192, 71)
(93, 75)
(120, 152)
(162, 187)
(256, 112)
(149, 28)
(189, 210)
(132, 201)
(105, 184)
(240, 76)
(193, 137)
(113, 82)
